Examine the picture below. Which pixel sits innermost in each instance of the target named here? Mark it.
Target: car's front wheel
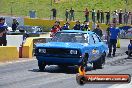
(41, 66)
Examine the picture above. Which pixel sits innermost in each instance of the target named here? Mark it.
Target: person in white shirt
(115, 16)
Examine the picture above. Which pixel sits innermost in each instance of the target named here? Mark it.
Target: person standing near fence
(126, 17)
(131, 17)
(54, 11)
(120, 16)
(67, 14)
(86, 12)
(107, 17)
(93, 16)
(115, 16)
(72, 14)
(102, 16)
(98, 16)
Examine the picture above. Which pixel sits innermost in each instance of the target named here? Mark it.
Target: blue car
(70, 48)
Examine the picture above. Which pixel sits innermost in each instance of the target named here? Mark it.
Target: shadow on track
(56, 69)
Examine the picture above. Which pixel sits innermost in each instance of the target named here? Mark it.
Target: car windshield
(70, 37)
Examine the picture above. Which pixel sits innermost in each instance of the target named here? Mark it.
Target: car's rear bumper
(59, 60)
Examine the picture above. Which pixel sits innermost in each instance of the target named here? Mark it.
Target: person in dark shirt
(102, 16)
(77, 26)
(120, 16)
(107, 17)
(3, 30)
(85, 26)
(54, 13)
(67, 14)
(98, 31)
(86, 15)
(66, 26)
(114, 31)
(93, 16)
(98, 16)
(71, 14)
(14, 25)
(108, 33)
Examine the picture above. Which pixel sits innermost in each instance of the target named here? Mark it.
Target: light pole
(51, 2)
(11, 8)
(126, 4)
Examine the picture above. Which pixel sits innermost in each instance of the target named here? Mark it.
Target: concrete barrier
(8, 53)
(42, 22)
(27, 49)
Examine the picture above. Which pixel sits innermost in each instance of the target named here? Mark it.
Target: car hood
(62, 45)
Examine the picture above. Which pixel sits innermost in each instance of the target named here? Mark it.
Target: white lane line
(129, 85)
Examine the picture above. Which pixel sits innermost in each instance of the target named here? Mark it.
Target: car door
(91, 48)
(97, 46)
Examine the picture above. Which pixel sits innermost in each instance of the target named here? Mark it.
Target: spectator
(131, 17)
(108, 33)
(129, 52)
(120, 16)
(67, 14)
(98, 16)
(108, 17)
(85, 26)
(66, 26)
(98, 31)
(93, 16)
(14, 25)
(102, 16)
(3, 30)
(54, 13)
(71, 14)
(77, 26)
(114, 31)
(115, 16)
(86, 15)
(55, 28)
(126, 17)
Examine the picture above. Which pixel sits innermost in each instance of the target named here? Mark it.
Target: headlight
(42, 50)
(73, 51)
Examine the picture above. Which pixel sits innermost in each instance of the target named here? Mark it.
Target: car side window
(96, 38)
(91, 39)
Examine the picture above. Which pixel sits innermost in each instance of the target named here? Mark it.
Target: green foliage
(43, 7)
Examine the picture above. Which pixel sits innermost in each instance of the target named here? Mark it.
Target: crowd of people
(99, 16)
(112, 32)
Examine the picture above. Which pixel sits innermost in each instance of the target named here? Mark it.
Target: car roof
(77, 31)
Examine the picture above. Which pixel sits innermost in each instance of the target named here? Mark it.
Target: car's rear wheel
(41, 66)
(103, 58)
(97, 64)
